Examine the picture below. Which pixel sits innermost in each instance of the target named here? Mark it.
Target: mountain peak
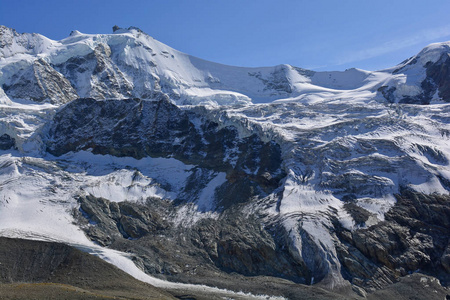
(75, 33)
(117, 29)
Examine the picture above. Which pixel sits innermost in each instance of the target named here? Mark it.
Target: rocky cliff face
(40, 82)
(233, 242)
(138, 128)
(420, 79)
(414, 236)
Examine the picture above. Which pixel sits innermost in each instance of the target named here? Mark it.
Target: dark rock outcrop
(437, 81)
(438, 77)
(388, 93)
(414, 236)
(103, 78)
(232, 243)
(140, 128)
(7, 142)
(277, 81)
(41, 83)
(109, 220)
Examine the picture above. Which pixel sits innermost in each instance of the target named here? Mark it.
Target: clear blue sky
(314, 34)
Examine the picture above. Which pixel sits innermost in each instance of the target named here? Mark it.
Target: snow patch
(206, 198)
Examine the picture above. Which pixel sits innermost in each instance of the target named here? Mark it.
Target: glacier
(349, 142)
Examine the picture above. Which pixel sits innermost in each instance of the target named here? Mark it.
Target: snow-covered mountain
(129, 63)
(117, 141)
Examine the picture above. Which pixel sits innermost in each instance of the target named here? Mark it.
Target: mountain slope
(123, 141)
(36, 264)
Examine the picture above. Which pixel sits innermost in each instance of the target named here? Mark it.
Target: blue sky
(315, 34)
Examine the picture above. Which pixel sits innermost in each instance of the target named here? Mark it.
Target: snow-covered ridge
(130, 63)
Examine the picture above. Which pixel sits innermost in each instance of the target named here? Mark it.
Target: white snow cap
(75, 33)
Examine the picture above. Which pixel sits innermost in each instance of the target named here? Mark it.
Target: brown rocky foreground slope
(43, 270)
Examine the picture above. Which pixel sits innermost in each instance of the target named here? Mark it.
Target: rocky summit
(211, 181)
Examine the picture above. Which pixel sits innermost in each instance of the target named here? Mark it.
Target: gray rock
(41, 83)
(7, 142)
(105, 221)
(445, 259)
(233, 243)
(103, 78)
(140, 128)
(413, 237)
(438, 78)
(359, 291)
